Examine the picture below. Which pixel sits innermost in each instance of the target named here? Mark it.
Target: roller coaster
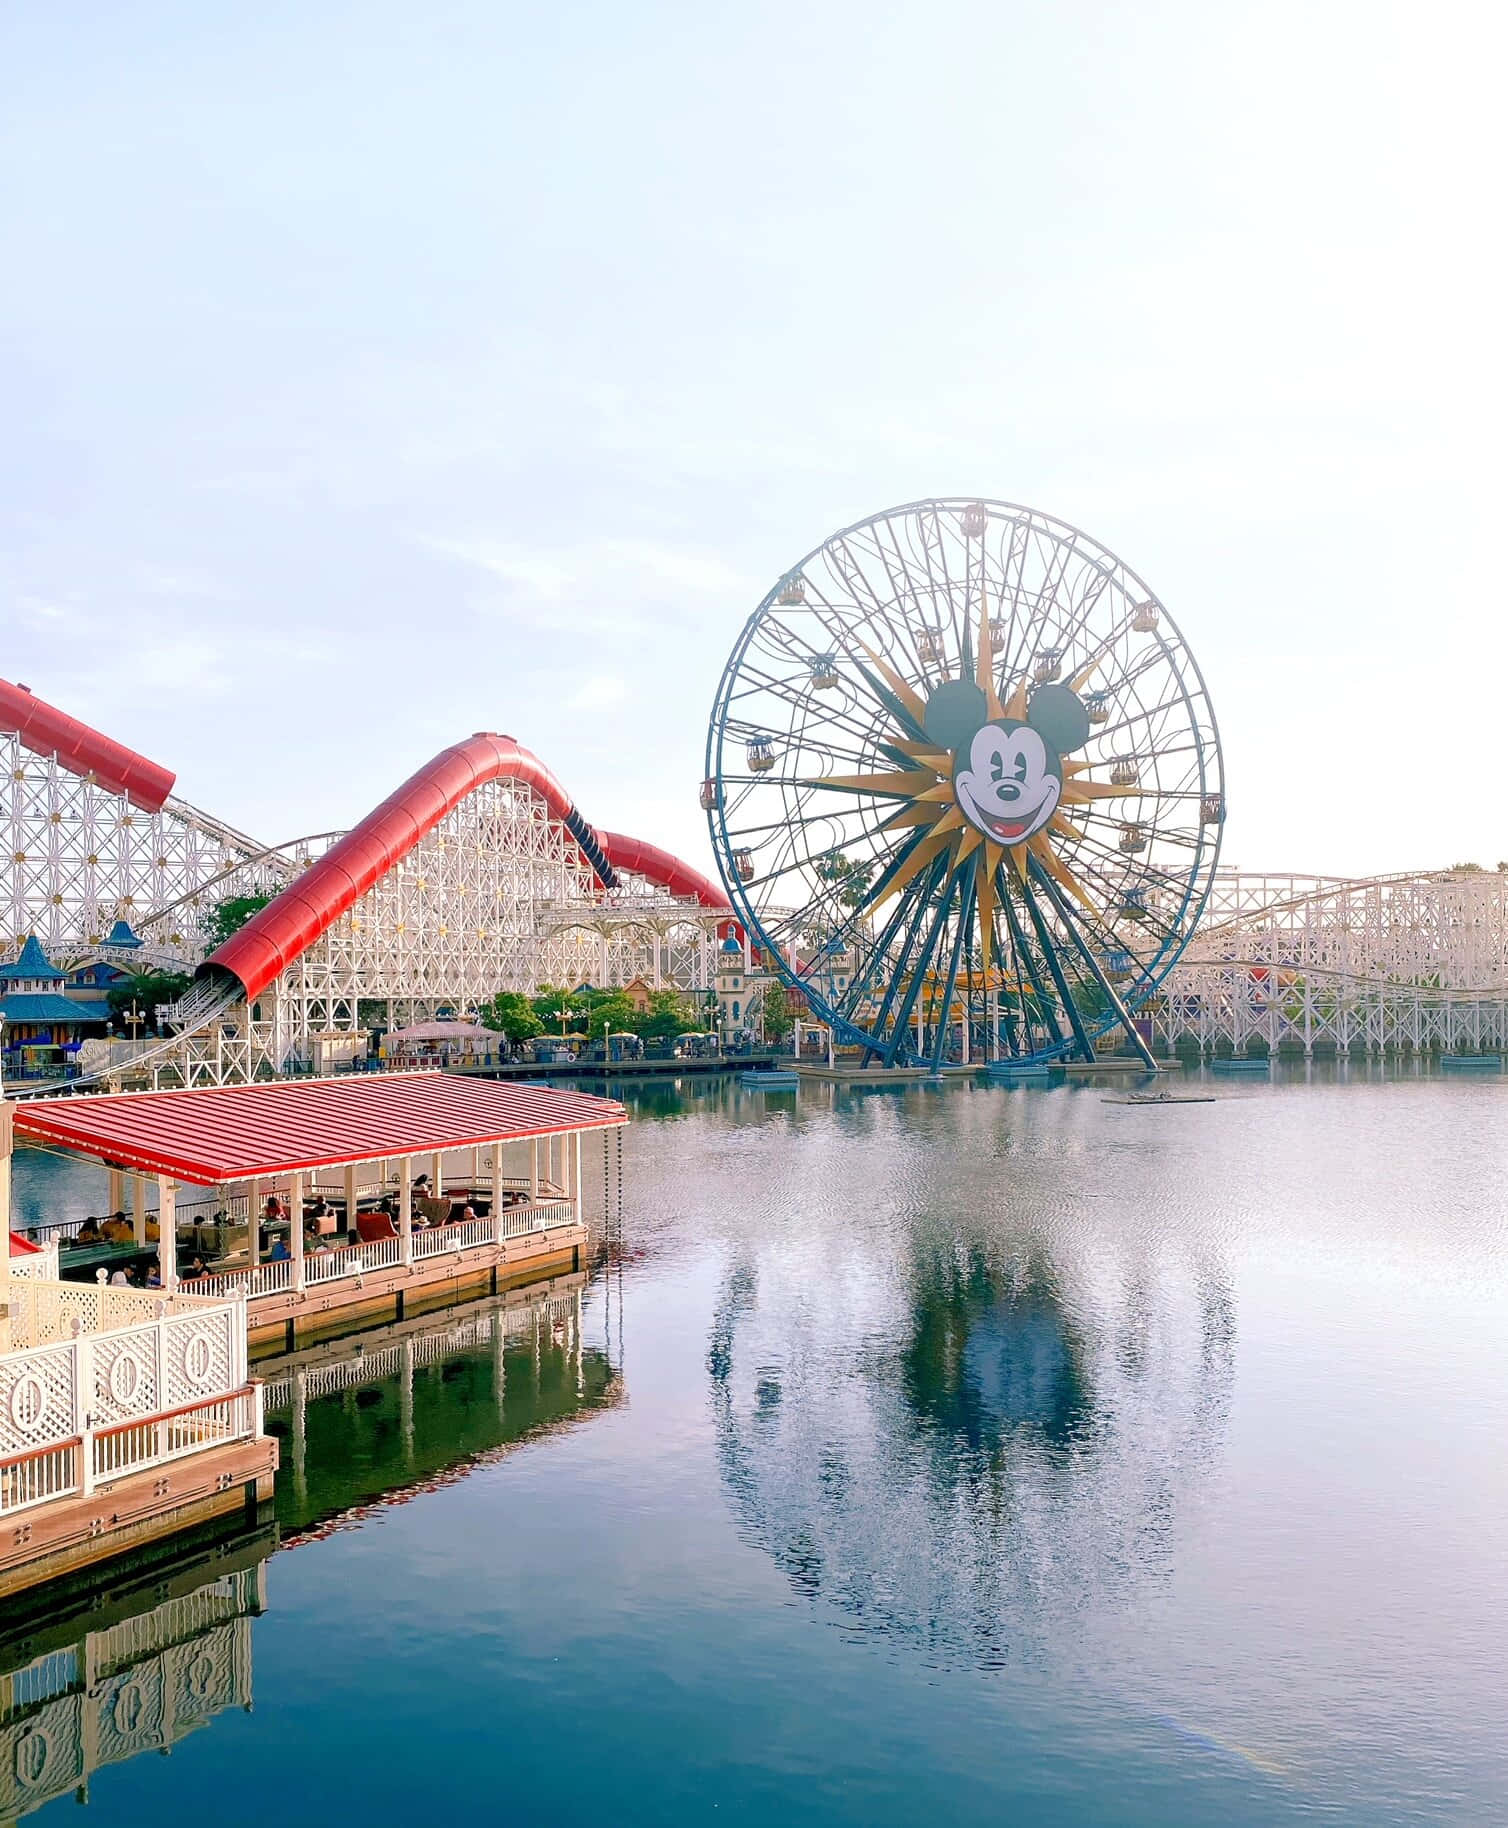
(477, 874)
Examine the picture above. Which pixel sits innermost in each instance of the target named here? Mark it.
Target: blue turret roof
(31, 964)
(121, 935)
(730, 944)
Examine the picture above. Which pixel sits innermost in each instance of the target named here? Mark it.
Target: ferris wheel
(964, 786)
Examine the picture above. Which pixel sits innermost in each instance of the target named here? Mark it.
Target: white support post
(7, 1143)
(167, 1234)
(139, 1210)
(437, 1173)
(351, 1199)
(296, 1227)
(496, 1192)
(533, 1168)
(116, 1198)
(83, 1398)
(575, 1143)
(406, 1210)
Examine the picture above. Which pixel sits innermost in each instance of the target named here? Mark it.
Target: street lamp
(133, 1018)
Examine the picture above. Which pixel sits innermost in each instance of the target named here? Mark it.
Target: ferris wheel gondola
(963, 749)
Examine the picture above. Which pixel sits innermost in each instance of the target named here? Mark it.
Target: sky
(376, 374)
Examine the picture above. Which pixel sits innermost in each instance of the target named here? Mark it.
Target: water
(1001, 1453)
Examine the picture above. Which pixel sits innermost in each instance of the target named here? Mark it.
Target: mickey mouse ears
(959, 707)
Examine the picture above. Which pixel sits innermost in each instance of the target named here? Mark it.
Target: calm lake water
(1008, 1455)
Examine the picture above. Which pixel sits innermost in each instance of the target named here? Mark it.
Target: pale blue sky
(377, 374)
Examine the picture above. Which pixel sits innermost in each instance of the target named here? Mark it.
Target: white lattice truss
(1403, 963)
(78, 857)
(497, 897)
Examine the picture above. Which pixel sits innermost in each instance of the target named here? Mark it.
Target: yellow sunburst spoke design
(930, 847)
(908, 697)
(1077, 793)
(1060, 873)
(903, 783)
(939, 759)
(918, 813)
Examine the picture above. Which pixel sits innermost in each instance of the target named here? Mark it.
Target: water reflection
(378, 1418)
(131, 1667)
(966, 1450)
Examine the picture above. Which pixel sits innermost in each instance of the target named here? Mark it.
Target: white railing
(41, 1312)
(132, 1446)
(464, 1234)
(33, 1478)
(98, 1402)
(39, 1266)
(545, 1215)
(274, 1278)
(352, 1260)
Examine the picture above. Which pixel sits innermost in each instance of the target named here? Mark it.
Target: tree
(229, 916)
(668, 1015)
(145, 990)
(850, 879)
(779, 1018)
(513, 1014)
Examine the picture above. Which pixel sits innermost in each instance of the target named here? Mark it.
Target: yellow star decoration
(925, 791)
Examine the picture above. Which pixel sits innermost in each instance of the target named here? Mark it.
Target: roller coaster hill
(477, 874)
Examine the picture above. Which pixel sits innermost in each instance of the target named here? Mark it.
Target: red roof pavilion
(212, 1134)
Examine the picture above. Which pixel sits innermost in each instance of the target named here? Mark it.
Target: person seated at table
(279, 1252)
(117, 1228)
(466, 1212)
(119, 1278)
(316, 1244)
(195, 1271)
(154, 1274)
(89, 1233)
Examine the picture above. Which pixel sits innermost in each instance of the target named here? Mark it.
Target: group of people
(116, 1229)
(429, 1208)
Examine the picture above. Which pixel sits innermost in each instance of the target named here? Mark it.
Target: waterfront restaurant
(340, 1202)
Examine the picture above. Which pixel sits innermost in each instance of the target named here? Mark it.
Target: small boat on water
(1163, 1098)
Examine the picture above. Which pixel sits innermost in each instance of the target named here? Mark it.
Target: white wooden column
(533, 1167)
(6, 1145)
(495, 1174)
(406, 1210)
(117, 1193)
(139, 1209)
(575, 1145)
(167, 1234)
(351, 1198)
(296, 1227)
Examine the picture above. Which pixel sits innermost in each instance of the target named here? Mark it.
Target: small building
(639, 992)
(43, 1025)
(731, 988)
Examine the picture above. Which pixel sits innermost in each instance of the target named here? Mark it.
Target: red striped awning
(243, 1132)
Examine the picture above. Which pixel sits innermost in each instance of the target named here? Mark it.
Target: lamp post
(133, 1018)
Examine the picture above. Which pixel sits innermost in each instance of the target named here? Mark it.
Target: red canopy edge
(210, 1134)
(47, 731)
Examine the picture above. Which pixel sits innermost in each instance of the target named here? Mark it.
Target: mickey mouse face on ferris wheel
(1007, 771)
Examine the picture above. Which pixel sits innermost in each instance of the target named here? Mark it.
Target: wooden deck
(284, 1321)
(69, 1534)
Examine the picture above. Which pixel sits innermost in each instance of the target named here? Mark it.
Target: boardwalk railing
(351, 1260)
(126, 1395)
